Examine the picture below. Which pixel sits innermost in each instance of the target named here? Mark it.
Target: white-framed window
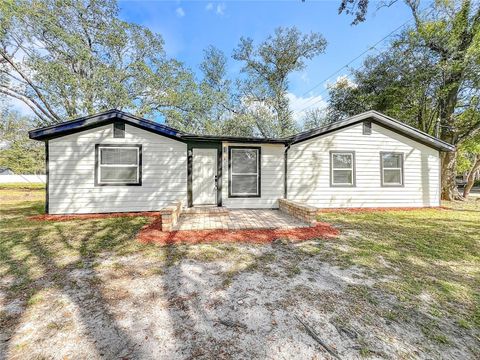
(391, 164)
(244, 171)
(342, 168)
(118, 164)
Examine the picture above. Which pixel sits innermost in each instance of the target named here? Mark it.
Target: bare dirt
(270, 301)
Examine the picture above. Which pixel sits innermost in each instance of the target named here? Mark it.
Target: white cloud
(305, 77)
(298, 103)
(180, 12)
(221, 9)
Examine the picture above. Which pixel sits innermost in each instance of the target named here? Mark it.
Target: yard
(394, 284)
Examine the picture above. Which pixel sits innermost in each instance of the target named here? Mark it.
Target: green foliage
(267, 66)
(429, 77)
(17, 151)
(64, 59)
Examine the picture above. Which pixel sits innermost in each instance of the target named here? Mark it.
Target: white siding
(309, 170)
(71, 173)
(272, 169)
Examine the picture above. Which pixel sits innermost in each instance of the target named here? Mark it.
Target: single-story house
(117, 162)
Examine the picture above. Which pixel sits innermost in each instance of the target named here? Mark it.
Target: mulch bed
(153, 233)
(379, 209)
(47, 217)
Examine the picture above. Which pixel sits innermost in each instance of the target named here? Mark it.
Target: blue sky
(188, 27)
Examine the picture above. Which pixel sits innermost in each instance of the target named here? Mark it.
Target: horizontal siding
(272, 178)
(72, 168)
(309, 170)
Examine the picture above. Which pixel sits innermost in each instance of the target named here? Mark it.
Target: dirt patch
(186, 311)
(153, 233)
(47, 217)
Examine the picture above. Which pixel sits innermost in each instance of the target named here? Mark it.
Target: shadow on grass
(45, 255)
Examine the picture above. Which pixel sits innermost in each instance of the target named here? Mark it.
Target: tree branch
(25, 100)
(35, 89)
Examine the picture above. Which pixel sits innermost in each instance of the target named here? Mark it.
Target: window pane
(244, 161)
(118, 156)
(118, 174)
(392, 176)
(244, 184)
(392, 160)
(342, 177)
(342, 161)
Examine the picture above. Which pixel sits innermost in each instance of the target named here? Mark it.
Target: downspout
(285, 176)
(46, 177)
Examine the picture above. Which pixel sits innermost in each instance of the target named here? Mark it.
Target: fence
(33, 179)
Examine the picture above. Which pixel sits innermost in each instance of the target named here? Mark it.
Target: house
(117, 162)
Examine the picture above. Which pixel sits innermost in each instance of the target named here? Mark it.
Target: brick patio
(232, 219)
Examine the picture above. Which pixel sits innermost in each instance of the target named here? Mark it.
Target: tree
(17, 151)
(64, 59)
(469, 161)
(315, 118)
(267, 67)
(449, 35)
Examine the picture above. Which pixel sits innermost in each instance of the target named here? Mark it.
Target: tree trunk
(471, 177)
(449, 187)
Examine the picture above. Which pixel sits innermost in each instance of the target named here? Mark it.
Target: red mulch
(379, 209)
(47, 217)
(153, 234)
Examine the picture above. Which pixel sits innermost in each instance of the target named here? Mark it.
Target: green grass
(428, 257)
(22, 186)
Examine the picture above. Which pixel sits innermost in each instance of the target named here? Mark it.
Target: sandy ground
(249, 304)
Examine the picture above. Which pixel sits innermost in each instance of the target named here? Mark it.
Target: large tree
(267, 67)
(69, 58)
(17, 151)
(448, 36)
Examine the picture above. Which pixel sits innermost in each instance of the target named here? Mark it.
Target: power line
(373, 47)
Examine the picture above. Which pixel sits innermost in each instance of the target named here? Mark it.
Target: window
(391, 168)
(342, 168)
(118, 164)
(244, 172)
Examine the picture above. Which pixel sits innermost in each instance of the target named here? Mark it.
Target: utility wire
(370, 48)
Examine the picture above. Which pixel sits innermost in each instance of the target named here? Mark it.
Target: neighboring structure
(6, 171)
(116, 162)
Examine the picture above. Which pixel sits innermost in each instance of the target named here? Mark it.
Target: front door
(204, 171)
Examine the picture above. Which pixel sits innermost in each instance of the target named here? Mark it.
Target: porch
(209, 218)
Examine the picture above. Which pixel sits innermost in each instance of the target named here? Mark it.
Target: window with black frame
(118, 164)
(244, 171)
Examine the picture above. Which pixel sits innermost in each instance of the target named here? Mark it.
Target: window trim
(402, 169)
(259, 172)
(97, 165)
(353, 168)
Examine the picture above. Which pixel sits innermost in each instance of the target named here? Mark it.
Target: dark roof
(87, 122)
(110, 116)
(380, 119)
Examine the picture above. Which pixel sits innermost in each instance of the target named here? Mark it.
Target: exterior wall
(309, 170)
(72, 164)
(272, 178)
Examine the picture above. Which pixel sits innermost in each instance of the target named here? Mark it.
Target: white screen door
(204, 191)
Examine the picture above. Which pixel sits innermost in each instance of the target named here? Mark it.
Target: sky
(188, 27)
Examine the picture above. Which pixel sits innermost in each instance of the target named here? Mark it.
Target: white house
(116, 162)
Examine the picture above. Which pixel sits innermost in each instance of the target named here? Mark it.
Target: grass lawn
(395, 284)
